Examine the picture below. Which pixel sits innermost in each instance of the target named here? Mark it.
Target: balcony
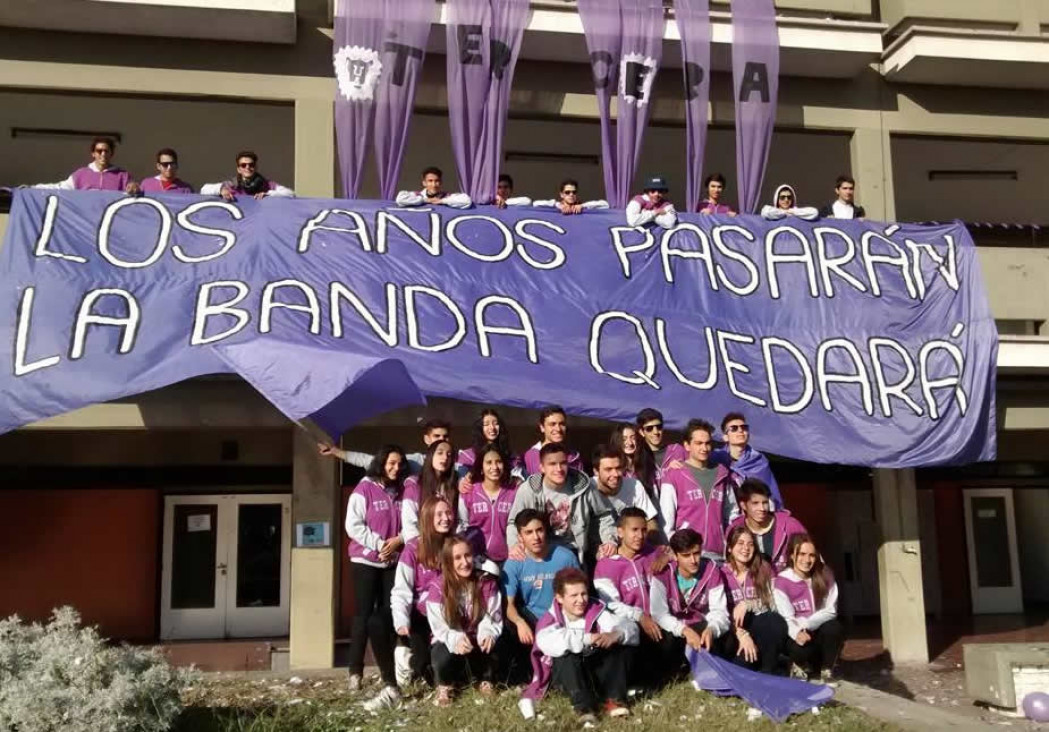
(266, 21)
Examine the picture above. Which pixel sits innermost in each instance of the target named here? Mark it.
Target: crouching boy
(591, 648)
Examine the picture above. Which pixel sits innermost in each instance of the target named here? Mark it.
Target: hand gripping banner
(625, 41)
(379, 51)
(693, 22)
(842, 341)
(755, 84)
(484, 38)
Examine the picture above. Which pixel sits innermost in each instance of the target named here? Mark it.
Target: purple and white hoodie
(373, 515)
(797, 604)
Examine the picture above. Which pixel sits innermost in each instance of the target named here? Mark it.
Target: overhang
(266, 21)
(957, 57)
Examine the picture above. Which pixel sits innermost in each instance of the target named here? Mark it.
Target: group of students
(651, 206)
(487, 566)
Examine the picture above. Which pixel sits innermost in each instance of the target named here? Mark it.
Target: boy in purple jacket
(98, 175)
(167, 180)
(772, 529)
(622, 583)
(699, 495)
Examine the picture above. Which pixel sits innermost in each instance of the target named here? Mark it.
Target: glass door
(257, 599)
(193, 593)
(994, 567)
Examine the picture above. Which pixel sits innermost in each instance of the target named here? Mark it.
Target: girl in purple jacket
(488, 428)
(437, 478)
(419, 566)
(485, 510)
(465, 612)
(807, 598)
(373, 523)
(760, 630)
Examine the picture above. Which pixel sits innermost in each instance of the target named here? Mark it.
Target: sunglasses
(569, 193)
(653, 427)
(245, 165)
(738, 428)
(786, 196)
(167, 163)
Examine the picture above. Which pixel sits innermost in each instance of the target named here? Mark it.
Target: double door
(226, 566)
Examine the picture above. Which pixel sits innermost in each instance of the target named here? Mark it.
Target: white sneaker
(527, 707)
(355, 682)
(388, 698)
(402, 664)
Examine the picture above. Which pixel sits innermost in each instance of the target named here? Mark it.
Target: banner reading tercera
(841, 341)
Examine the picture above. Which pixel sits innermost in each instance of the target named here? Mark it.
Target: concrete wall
(206, 134)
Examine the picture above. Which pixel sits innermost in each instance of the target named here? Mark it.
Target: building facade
(171, 515)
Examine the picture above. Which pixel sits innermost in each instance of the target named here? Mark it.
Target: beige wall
(207, 135)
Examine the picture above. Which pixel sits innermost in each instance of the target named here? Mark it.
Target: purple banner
(625, 41)
(755, 81)
(379, 50)
(484, 38)
(693, 22)
(842, 341)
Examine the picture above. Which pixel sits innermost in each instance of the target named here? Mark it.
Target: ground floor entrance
(225, 571)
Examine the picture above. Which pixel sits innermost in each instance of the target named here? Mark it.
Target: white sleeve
(598, 205)
(667, 219)
(464, 513)
(786, 611)
(668, 508)
(491, 625)
(551, 203)
(457, 200)
(636, 216)
(62, 185)
(211, 189)
(642, 501)
(554, 641)
(609, 594)
(357, 523)
(439, 628)
(519, 201)
(402, 595)
(718, 619)
(409, 198)
(629, 633)
(825, 613)
(409, 519)
(280, 191)
(806, 212)
(772, 213)
(358, 459)
(733, 506)
(657, 595)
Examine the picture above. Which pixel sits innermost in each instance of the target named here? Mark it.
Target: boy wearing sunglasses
(742, 458)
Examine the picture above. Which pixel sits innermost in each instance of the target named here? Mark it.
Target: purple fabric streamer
(777, 697)
(755, 83)
(693, 21)
(484, 39)
(379, 50)
(625, 41)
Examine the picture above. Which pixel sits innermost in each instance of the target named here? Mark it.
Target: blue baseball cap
(656, 183)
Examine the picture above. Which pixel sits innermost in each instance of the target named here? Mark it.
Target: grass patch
(325, 706)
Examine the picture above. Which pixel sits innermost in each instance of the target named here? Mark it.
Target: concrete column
(871, 157)
(314, 571)
(900, 567)
(315, 148)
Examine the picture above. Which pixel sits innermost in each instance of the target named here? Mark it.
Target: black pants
(657, 662)
(419, 641)
(823, 650)
(769, 633)
(591, 679)
(515, 656)
(452, 668)
(372, 620)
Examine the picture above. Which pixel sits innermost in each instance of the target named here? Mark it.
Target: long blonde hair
(759, 570)
(430, 542)
(820, 575)
(453, 586)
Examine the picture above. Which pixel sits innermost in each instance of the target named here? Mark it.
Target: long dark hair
(758, 570)
(642, 462)
(452, 586)
(820, 574)
(477, 469)
(432, 483)
(479, 441)
(377, 468)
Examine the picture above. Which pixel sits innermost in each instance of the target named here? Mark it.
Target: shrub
(60, 677)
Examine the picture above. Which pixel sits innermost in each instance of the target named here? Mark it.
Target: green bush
(60, 677)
